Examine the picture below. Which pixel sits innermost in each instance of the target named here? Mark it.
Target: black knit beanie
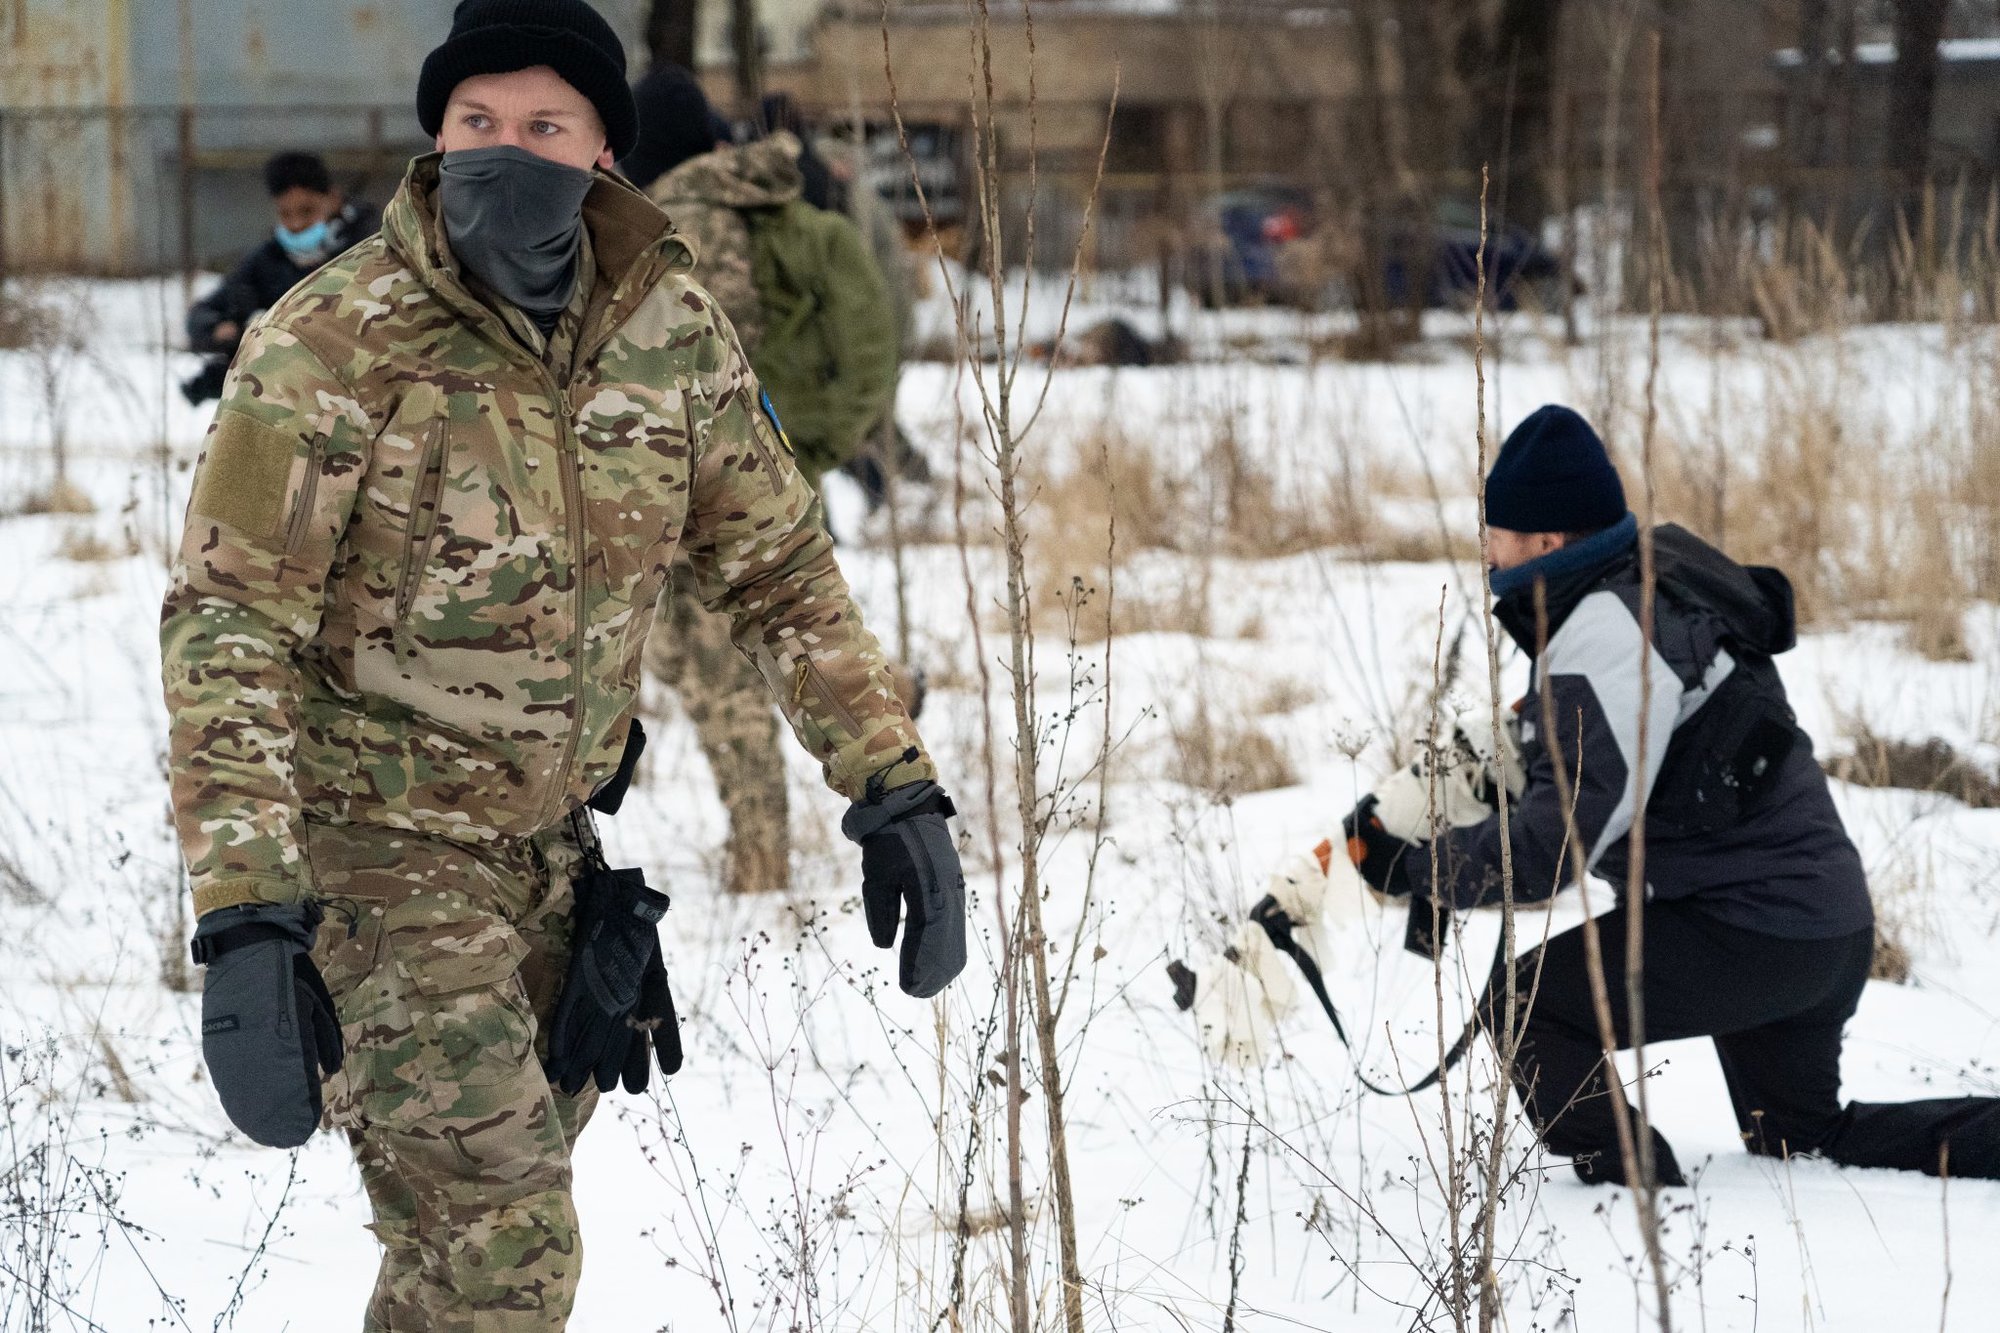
(1553, 475)
(500, 36)
(675, 123)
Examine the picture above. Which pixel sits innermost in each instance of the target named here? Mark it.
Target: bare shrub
(61, 338)
(61, 1212)
(86, 547)
(60, 497)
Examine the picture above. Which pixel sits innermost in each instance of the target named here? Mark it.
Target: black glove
(909, 868)
(1374, 850)
(655, 1027)
(207, 382)
(268, 1031)
(615, 1001)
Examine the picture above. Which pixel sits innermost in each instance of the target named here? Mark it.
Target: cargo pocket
(469, 1013)
(366, 1002)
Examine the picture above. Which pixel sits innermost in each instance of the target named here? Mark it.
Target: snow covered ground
(805, 1170)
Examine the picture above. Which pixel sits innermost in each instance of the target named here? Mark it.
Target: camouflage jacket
(424, 549)
(705, 196)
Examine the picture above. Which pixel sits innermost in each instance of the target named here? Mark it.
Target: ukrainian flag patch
(771, 415)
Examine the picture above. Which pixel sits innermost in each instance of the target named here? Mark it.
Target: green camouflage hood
(764, 174)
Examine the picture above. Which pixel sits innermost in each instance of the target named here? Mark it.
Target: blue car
(1262, 245)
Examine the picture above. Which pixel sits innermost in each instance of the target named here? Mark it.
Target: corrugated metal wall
(131, 131)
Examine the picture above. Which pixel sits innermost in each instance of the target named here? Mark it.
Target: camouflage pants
(734, 718)
(444, 960)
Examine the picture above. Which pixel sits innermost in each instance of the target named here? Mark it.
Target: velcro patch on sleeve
(246, 474)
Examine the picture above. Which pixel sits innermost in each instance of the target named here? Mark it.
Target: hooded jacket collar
(1567, 574)
(632, 243)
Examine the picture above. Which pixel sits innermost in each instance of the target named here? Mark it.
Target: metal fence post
(186, 155)
(3, 195)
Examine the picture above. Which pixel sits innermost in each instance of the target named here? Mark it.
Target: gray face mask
(516, 221)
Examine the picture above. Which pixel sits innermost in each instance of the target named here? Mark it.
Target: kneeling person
(1758, 927)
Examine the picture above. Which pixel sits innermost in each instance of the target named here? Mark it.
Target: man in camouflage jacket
(402, 646)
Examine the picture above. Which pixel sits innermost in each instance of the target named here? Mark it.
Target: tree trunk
(670, 29)
(1515, 81)
(1912, 93)
(1387, 318)
(749, 51)
(1812, 97)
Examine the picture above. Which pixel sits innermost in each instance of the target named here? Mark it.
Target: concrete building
(1965, 113)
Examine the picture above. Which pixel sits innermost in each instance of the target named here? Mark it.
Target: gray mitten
(268, 1031)
(909, 869)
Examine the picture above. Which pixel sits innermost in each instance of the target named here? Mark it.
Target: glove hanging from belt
(616, 1007)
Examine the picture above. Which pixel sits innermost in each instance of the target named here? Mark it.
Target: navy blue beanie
(1553, 475)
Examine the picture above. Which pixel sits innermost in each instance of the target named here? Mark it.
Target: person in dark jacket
(314, 223)
(1759, 931)
(676, 123)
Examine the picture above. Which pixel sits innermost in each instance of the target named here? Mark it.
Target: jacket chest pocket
(636, 500)
(480, 541)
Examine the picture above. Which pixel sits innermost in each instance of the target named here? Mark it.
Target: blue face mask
(304, 244)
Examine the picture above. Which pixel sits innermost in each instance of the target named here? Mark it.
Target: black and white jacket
(1778, 861)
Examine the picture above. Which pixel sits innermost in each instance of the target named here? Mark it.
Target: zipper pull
(801, 674)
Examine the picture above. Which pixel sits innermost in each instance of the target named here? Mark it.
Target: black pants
(1774, 1007)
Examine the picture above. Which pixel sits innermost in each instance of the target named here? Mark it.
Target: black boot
(1607, 1169)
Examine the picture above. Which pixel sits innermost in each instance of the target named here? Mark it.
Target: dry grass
(1891, 961)
(1935, 630)
(1880, 499)
(1189, 612)
(1907, 919)
(85, 547)
(1929, 766)
(1225, 506)
(1872, 518)
(1225, 756)
(18, 323)
(1905, 894)
(62, 497)
(1284, 694)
